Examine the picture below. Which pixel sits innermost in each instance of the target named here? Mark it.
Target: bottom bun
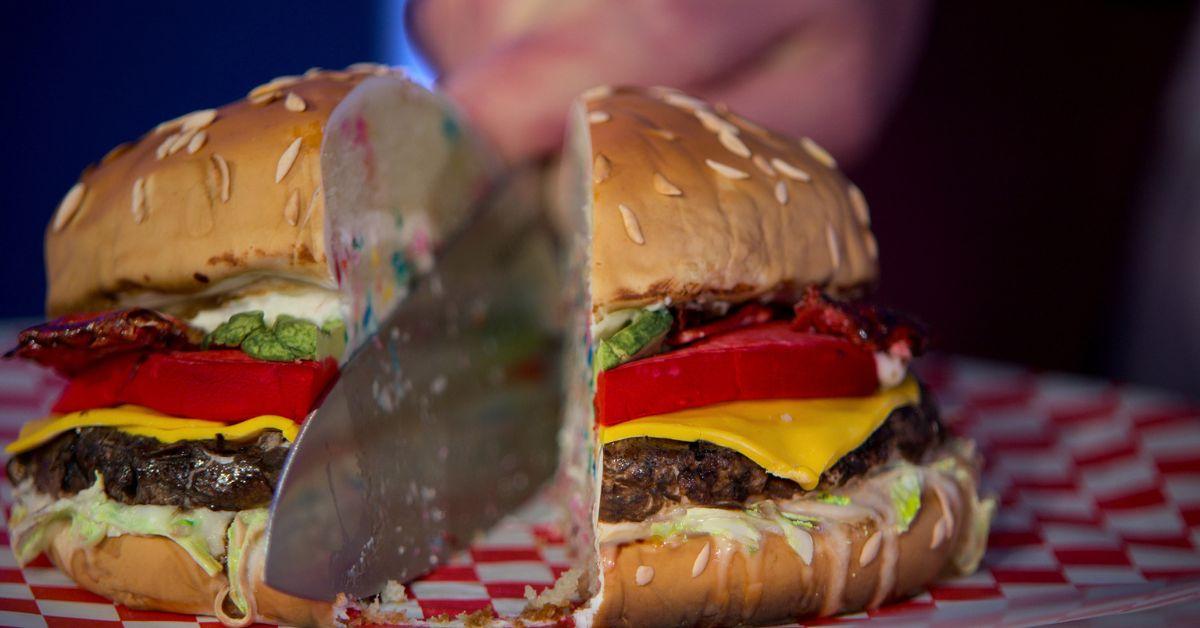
(154, 573)
(710, 581)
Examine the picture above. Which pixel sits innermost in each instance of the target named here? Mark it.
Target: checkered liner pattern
(1100, 514)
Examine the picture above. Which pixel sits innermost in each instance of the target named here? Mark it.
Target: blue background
(82, 77)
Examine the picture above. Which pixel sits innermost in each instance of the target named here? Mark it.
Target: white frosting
(311, 303)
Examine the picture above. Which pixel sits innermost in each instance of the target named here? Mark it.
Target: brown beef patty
(216, 474)
(643, 475)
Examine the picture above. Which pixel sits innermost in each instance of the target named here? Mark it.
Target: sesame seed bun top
(225, 197)
(692, 202)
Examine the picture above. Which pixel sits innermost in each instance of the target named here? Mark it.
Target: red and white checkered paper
(1099, 488)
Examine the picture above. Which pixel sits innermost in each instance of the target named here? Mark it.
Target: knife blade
(439, 424)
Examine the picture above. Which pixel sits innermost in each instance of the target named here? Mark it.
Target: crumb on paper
(555, 602)
(393, 593)
(383, 609)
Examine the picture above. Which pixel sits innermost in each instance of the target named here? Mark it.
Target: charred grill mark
(71, 343)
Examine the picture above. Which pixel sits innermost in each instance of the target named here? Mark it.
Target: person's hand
(824, 68)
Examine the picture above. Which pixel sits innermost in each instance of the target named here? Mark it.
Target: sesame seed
(368, 68)
(197, 142)
(137, 205)
(287, 159)
(835, 251)
(632, 228)
(294, 102)
(273, 85)
(199, 119)
(601, 168)
(862, 212)
(222, 168)
(311, 72)
(663, 133)
(312, 204)
(714, 123)
(662, 186)
(596, 117)
(939, 534)
(597, 92)
(161, 151)
(644, 574)
(735, 145)
(709, 119)
(806, 547)
(68, 206)
(701, 562)
(790, 171)
(785, 417)
(870, 548)
(169, 125)
(817, 152)
(781, 192)
(264, 98)
(764, 165)
(725, 170)
(947, 513)
(748, 125)
(181, 140)
(291, 210)
(683, 101)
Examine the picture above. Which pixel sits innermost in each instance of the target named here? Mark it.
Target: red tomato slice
(227, 386)
(768, 361)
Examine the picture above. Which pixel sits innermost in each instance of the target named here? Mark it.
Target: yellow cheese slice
(797, 439)
(140, 421)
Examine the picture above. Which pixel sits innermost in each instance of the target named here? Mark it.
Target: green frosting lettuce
(239, 327)
(906, 496)
(299, 336)
(289, 338)
(91, 516)
(642, 336)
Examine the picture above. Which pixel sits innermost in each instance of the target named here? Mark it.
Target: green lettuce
(91, 517)
(642, 336)
(289, 338)
(735, 525)
(235, 331)
(906, 496)
(829, 498)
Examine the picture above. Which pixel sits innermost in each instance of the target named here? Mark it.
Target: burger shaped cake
(744, 440)
(209, 278)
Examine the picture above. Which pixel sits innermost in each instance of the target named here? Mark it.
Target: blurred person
(830, 69)
(1161, 318)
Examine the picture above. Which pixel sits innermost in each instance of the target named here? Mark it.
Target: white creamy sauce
(314, 304)
(890, 369)
(870, 501)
